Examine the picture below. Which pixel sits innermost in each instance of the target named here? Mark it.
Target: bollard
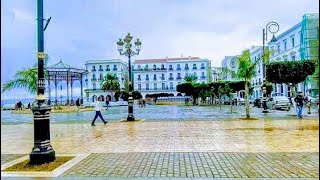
(309, 107)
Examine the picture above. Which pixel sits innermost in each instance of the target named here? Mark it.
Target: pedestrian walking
(299, 102)
(29, 106)
(19, 104)
(97, 108)
(78, 104)
(143, 103)
(107, 102)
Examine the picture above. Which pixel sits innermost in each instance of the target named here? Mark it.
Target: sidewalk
(221, 149)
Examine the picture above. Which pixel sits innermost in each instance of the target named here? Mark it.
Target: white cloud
(22, 16)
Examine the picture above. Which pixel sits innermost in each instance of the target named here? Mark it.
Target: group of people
(19, 106)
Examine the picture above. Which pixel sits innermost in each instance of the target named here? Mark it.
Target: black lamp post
(126, 42)
(264, 39)
(264, 92)
(42, 152)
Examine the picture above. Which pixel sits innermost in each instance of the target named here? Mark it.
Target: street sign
(41, 55)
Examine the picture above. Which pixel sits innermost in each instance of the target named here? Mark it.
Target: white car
(279, 102)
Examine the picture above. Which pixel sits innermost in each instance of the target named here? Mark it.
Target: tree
(190, 78)
(246, 71)
(110, 83)
(136, 95)
(289, 72)
(185, 88)
(26, 78)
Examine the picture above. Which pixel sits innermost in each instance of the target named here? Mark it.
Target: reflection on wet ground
(158, 113)
(171, 136)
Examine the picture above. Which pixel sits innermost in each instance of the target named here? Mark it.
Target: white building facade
(291, 46)
(152, 76)
(229, 65)
(96, 72)
(257, 81)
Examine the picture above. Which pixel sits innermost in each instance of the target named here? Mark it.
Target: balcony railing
(100, 79)
(186, 68)
(170, 78)
(163, 79)
(156, 89)
(202, 67)
(114, 69)
(179, 78)
(178, 69)
(93, 70)
(194, 68)
(100, 69)
(158, 69)
(202, 77)
(93, 79)
(170, 69)
(139, 79)
(154, 79)
(107, 69)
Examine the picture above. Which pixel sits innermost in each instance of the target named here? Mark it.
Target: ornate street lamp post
(126, 42)
(42, 152)
(264, 39)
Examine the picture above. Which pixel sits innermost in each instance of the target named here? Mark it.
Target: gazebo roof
(62, 71)
(59, 65)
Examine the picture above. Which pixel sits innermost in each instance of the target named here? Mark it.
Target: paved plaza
(282, 147)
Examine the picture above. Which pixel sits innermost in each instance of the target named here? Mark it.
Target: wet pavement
(204, 143)
(158, 113)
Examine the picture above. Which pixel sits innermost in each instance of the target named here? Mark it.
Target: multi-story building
(153, 76)
(96, 72)
(257, 81)
(290, 46)
(216, 74)
(229, 67)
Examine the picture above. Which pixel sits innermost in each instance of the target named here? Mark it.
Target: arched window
(101, 77)
(186, 67)
(146, 67)
(94, 98)
(94, 86)
(139, 67)
(154, 67)
(162, 66)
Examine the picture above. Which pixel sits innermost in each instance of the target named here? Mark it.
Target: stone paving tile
(5, 158)
(177, 136)
(199, 164)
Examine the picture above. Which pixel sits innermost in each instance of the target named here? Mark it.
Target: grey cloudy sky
(88, 29)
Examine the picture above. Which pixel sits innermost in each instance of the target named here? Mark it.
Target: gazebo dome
(63, 72)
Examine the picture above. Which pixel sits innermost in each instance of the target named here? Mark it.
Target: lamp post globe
(129, 52)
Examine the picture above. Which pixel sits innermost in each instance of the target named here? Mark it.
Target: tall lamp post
(42, 152)
(264, 39)
(126, 42)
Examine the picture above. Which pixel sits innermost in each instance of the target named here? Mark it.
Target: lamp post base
(42, 152)
(42, 157)
(130, 108)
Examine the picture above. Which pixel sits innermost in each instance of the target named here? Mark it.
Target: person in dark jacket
(299, 102)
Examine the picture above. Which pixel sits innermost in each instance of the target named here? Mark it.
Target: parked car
(257, 103)
(314, 100)
(241, 101)
(278, 102)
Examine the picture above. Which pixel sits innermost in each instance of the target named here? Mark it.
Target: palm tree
(26, 78)
(111, 83)
(190, 78)
(246, 71)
